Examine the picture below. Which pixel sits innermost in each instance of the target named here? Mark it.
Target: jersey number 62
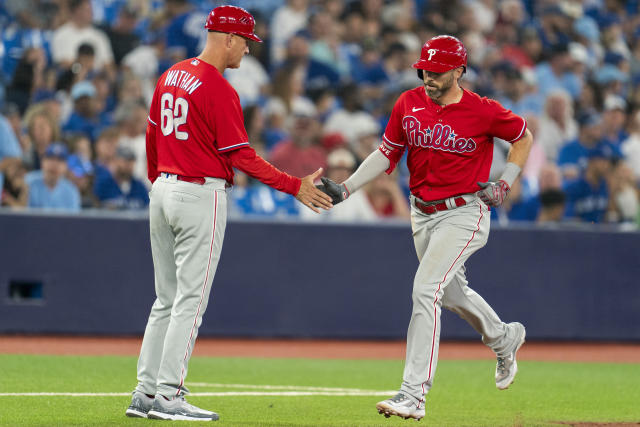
(173, 115)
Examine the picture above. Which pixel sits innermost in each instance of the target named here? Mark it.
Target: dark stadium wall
(94, 275)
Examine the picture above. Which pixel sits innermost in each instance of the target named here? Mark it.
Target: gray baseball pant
(444, 241)
(187, 222)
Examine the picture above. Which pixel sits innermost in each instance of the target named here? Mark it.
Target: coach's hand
(337, 192)
(493, 193)
(311, 196)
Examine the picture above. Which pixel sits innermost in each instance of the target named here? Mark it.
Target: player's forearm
(249, 162)
(517, 157)
(373, 165)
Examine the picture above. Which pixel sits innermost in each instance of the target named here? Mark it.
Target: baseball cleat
(140, 405)
(401, 406)
(178, 409)
(507, 367)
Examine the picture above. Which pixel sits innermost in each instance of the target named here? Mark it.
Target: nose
(246, 50)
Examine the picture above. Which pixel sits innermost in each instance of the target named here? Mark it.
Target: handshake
(337, 192)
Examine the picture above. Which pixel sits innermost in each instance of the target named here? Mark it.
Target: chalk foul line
(256, 390)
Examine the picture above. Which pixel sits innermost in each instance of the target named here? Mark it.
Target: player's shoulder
(481, 101)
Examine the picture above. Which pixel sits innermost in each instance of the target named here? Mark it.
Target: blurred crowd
(78, 75)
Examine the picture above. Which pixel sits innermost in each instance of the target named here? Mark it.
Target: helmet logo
(431, 53)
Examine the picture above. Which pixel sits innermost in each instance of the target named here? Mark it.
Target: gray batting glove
(493, 193)
(337, 192)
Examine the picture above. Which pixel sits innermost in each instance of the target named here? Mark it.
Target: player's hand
(312, 197)
(337, 192)
(493, 193)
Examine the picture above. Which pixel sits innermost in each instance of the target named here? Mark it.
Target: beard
(435, 92)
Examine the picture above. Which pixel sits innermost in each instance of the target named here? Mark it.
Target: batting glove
(337, 192)
(493, 193)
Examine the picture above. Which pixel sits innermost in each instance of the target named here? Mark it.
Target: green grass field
(464, 392)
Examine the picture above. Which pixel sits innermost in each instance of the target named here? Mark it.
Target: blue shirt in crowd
(263, 201)
(109, 192)
(586, 202)
(64, 196)
(9, 145)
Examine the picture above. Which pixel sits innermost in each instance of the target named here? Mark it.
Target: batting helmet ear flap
(420, 74)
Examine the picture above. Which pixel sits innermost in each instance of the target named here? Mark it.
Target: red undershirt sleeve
(249, 162)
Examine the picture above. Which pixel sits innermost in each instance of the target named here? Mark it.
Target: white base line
(219, 394)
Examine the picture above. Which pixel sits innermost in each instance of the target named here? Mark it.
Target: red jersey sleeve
(230, 133)
(505, 124)
(249, 162)
(394, 141)
(152, 152)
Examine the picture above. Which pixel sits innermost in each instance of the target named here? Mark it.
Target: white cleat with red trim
(507, 367)
(402, 406)
(178, 409)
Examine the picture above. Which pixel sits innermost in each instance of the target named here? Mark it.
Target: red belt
(192, 179)
(439, 205)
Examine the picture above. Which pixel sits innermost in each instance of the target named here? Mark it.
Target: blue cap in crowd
(587, 28)
(83, 88)
(57, 150)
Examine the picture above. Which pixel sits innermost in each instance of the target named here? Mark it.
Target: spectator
(85, 117)
(9, 145)
(557, 74)
(516, 207)
(184, 35)
(42, 130)
(588, 196)
(316, 74)
(105, 150)
(517, 97)
(14, 191)
(131, 118)
(301, 154)
(557, 125)
(286, 21)
(573, 156)
(614, 118)
(120, 189)
(552, 207)
(122, 35)
(341, 163)
(80, 170)
(28, 77)
(623, 203)
(48, 188)
(387, 199)
(79, 30)
(83, 68)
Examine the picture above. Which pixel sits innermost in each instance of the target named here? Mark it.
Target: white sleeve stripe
(392, 143)
(151, 121)
(524, 126)
(233, 146)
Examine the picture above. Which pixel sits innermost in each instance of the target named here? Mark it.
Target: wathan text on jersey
(441, 137)
(183, 80)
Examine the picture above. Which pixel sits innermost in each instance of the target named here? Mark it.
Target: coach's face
(437, 84)
(238, 48)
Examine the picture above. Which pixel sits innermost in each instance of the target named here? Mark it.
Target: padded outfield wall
(94, 275)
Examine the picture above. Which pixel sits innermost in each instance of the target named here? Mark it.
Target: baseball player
(448, 132)
(195, 135)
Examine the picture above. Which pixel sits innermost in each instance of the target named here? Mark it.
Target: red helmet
(441, 54)
(234, 20)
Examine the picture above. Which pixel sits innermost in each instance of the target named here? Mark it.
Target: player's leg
(465, 302)
(453, 237)
(165, 286)
(198, 215)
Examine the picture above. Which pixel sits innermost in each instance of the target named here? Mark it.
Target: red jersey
(450, 147)
(196, 118)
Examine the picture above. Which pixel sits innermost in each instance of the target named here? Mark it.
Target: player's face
(239, 48)
(437, 84)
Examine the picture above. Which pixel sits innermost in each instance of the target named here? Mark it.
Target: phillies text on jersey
(450, 148)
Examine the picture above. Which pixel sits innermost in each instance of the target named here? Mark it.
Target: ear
(229, 39)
